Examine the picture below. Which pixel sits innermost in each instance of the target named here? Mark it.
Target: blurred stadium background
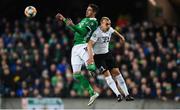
(35, 54)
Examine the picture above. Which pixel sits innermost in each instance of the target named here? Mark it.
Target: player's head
(91, 10)
(105, 23)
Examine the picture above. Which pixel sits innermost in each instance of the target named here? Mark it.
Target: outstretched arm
(71, 25)
(60, 17)
(122, 40)
(80, 30)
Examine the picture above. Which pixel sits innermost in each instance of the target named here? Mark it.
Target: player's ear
(94, 13)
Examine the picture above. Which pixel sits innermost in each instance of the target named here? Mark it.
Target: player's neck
(103, 29)
(91, 17)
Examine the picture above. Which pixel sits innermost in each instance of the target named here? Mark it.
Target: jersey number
(105, 39)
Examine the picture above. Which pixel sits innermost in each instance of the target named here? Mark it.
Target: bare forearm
(122, 40)
(90, 50)
(91, 66)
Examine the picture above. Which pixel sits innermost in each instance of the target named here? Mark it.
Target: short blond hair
(105, 18)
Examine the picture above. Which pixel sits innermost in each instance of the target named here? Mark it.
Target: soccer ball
(30, 11)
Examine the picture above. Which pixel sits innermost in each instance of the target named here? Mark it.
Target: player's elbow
(83, 31)
(90, 43)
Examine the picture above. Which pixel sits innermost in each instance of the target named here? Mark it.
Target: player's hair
(94, 7)
(105, 18)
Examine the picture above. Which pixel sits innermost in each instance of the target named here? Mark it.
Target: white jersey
(101, 40)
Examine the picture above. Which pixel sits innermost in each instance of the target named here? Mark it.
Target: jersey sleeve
(92, 25)
(94, 36)
(111, 30)
(80, 30)
(77, 28)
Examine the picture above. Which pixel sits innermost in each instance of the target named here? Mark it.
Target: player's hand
(122, 40)
(60, 17)
(69, 22)
(90, 61)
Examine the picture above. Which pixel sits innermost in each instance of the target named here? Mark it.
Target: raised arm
(80, 30)
(60, 17)
(71, 25)
(122, 40)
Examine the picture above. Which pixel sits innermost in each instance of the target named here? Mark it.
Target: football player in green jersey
(82, 31)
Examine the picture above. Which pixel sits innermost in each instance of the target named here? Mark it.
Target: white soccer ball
(30, 11)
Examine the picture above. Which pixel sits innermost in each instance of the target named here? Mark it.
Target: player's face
(89, 12)
(105, 25)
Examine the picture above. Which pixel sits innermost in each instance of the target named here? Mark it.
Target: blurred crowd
(35, 60)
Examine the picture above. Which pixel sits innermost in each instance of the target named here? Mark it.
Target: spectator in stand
(35, 58)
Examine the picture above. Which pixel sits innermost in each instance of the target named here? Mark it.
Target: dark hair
(94, 7)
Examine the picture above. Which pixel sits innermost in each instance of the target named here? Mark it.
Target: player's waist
(79, 45)
(100, 51)
(77, 42)
(103, 55)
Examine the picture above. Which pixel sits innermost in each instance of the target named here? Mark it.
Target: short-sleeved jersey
(89, 23)
(101, 40)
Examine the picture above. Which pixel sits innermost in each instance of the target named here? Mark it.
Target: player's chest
(83, 23)
(104, 37)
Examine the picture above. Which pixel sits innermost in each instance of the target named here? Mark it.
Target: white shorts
(79, 56)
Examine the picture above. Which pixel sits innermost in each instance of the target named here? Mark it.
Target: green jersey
(83, 30)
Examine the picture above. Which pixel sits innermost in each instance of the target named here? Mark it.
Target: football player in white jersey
(99, 53)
